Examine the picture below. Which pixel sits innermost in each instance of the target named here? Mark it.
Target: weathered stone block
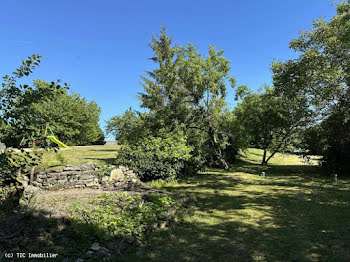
(117, 174)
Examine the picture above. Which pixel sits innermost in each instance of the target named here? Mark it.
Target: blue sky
(101, 47)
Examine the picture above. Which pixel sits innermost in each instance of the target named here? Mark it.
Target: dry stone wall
(76, 176)
(81, 176)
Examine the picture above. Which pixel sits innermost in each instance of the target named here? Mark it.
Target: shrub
(156, 157)
(111, 215)
(12, 164)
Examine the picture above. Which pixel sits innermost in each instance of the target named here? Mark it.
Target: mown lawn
(100, 154)
(292, 214)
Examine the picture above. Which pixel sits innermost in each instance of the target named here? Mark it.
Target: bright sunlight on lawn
(101, 155)
(292, 214)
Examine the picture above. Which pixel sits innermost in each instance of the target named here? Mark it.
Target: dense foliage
(71, 118)
(129, 127)
(185, 92)
(161, 157)
(321, 75)
(16, 100)
(331, 139)
(119, 215)
(270, 122)
(15, 114)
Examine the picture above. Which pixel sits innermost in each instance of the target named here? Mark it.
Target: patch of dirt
(46, 225)
(56, 203)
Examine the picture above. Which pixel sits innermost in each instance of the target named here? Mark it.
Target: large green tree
(321, 73)
(73, 119)
(269, 121)
(16, 104)
(188, 91)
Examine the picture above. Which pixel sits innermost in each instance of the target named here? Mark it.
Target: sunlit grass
(292, 214)
(253, 155)
(100, 155)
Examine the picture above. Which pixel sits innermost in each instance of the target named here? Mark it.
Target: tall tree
(187, 90)
(321, 73)
(204, 82)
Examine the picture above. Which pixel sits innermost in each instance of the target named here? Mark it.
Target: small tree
(128, 128)
(15, 111)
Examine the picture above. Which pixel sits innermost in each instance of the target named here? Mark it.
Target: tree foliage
(321, 74)
(15, 114)
(188, 91)
(128, 128)
(72, 118)
(269, 121)
(16, 102)
(161, 157)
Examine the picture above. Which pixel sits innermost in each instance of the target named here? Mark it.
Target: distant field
(101, 155)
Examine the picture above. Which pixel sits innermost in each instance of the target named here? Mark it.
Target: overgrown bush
(119, 214)
(12, 164)
(157, 157)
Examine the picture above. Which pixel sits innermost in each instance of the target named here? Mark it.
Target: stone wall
(72, 176)
(86, 175)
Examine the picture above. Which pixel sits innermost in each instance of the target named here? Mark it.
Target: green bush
(156, 157)
(119, 215)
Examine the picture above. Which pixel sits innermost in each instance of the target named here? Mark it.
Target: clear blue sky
(101, 47)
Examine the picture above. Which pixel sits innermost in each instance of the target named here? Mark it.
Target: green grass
(292, 214)
(101, 155)
(254, 156)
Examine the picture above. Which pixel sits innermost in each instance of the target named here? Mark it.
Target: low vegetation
(84, 224)
(119, 215)
(294, 213)
(162, 157)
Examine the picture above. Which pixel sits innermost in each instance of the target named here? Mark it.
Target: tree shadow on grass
(35, 231)
(276, 170)
(237, 219)
(105, 161)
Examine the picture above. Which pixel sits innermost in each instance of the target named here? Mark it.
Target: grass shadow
(34, 231)
(292, 215)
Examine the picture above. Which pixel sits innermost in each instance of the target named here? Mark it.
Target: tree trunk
(264, 162)
(31, 179)
(217, 148)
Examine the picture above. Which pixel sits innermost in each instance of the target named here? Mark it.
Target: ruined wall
(82, 176)
(72, 176)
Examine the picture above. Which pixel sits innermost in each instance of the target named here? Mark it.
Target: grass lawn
(101, 155)
(292, 214)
